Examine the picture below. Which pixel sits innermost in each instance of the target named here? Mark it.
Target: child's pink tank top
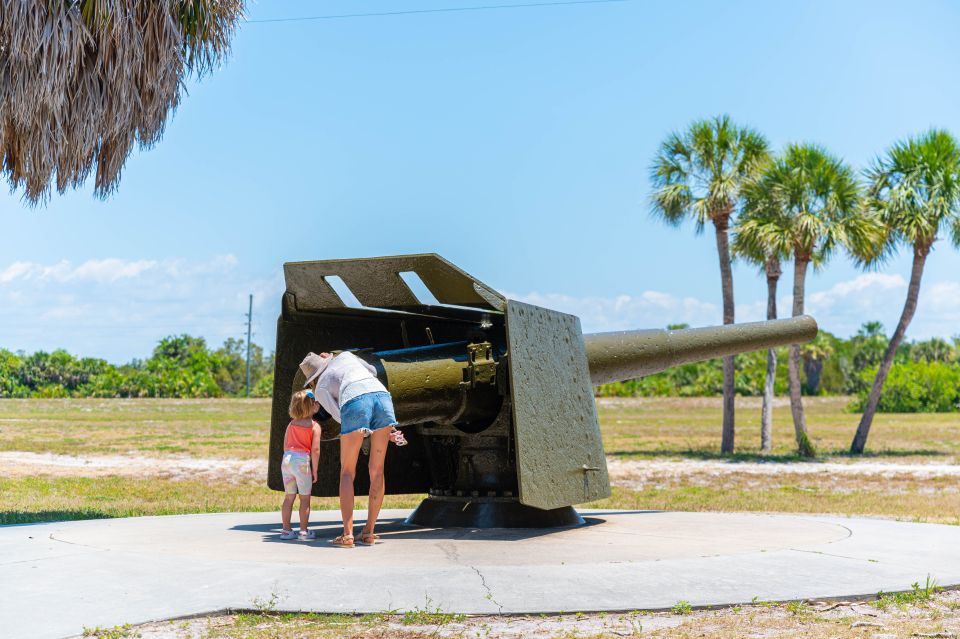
(299, 439)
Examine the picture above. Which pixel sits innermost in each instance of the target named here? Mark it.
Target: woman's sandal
(342, 541)
(368, 539)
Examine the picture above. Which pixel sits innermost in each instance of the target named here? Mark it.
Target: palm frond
(699, 173)
(83, 82)
(915, 188)
(806, 204)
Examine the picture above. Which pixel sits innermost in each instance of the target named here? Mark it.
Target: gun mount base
(489, 512)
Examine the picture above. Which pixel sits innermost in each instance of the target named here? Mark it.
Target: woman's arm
(326, 400)
(315, 450)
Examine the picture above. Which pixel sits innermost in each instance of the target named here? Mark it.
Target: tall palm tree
(698, 174)
(915, 190)
(760, 240)
(82, 82)
(810, 206)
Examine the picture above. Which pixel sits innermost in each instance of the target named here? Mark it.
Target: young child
(301, 456)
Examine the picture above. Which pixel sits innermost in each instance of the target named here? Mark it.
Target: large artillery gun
(495, 396)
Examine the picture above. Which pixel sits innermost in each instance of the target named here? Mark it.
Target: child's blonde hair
(301, 405)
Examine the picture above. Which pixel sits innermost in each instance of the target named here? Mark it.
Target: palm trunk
(920, 252)
(721, 222)
(813, 367)
(804, 446)
(766, 415)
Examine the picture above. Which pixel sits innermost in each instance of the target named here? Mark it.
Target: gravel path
(22, 464)
(642, 468)
(19, 464)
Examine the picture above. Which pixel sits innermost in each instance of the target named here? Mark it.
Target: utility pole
(249, 322)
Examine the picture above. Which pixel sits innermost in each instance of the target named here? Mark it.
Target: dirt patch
(889, 478)
(175, 467)
(639, 468)
(630, 473)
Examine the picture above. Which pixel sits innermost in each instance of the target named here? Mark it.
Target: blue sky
(515, 142)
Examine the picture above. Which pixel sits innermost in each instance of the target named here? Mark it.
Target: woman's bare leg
(378, 452)
(349, 451)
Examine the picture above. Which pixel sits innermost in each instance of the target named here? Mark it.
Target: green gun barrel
(623, 355)
(427, 383)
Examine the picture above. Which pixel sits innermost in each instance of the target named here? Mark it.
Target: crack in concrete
(489, 595)
(830, 554)
(73, 543)
(39, 559)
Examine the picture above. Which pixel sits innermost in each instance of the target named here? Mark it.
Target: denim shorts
(369, 412)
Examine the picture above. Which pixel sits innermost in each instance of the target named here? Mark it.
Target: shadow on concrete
(395, 529)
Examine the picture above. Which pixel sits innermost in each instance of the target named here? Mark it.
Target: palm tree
(814, 354)
(765, 244)
(810, 205)
(915, 190)
(698, 174)
(81, 82)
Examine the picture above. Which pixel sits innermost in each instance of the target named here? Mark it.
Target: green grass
(428, 616)
(917, 596)
(690, 428)
(223, 428)
(126, 631)
(46, 498)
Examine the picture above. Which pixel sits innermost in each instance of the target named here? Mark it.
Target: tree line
(804, 204)
(180, 366)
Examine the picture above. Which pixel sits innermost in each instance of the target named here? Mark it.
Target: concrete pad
(114, 571)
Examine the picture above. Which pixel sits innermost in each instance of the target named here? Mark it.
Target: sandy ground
(22, 464)
(487, 627)
(627, 469)
(938, 618)
(634, 473)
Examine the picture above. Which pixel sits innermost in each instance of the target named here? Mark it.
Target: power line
(339, 16)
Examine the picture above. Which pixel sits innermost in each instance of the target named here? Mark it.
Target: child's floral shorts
(296, 473)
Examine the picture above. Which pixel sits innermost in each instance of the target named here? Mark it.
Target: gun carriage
(495, 396)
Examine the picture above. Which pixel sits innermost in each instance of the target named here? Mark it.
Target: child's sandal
(368, 539)
(342, 541)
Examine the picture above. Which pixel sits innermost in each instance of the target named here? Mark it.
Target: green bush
(180, 366)
(915, 387)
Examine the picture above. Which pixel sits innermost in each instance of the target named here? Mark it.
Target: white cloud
(110, 270)
(840, 309)
(863, 288)
(117, 308)
(113, 269)
(106, 270)
(14, 271)
(649, 309)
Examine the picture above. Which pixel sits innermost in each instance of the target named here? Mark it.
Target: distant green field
(654, 427)
(690, 427)
(638, 429)
(226, 428)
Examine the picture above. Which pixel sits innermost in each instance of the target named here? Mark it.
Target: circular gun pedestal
(489, 512)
